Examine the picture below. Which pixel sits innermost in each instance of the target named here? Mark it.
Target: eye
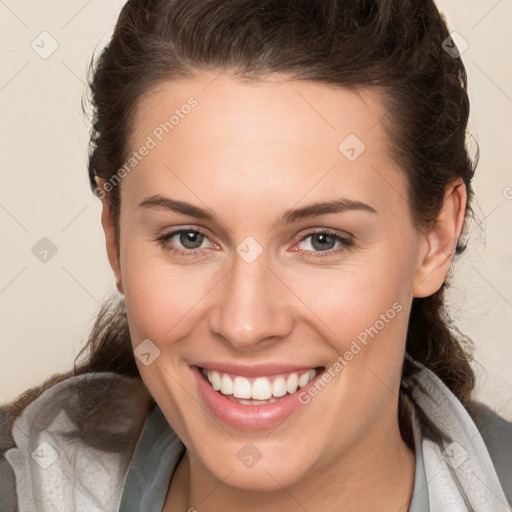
(183, 241)
(323, 244)
(189, 241)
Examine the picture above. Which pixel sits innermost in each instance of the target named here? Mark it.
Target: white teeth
(226, 385)
(279, 387)
(292, 382)
(252, 402)
(306, 377)
(261, 388)
(241, 388)
(214, 379)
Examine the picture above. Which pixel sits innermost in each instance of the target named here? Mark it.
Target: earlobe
(440, 242)
(112, 244)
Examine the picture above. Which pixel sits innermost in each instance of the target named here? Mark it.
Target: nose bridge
(250, 307)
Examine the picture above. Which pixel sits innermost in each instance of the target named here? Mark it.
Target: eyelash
(346, 243)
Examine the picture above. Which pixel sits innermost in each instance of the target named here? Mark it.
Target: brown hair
(393, 45)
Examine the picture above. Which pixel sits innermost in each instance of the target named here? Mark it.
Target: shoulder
(483, 433)
(496, 432)
(100, 410)
(7, 481)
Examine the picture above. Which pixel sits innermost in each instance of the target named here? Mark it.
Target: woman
(284, 186)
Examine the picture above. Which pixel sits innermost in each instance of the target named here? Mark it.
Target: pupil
(324, 239)
(190, 238)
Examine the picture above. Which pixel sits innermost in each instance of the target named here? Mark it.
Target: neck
(372, 475)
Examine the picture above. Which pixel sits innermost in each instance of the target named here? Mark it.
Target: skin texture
(248, 153)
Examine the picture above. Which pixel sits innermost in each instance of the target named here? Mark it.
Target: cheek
(362, 311)
(355, 295)
(161, 298)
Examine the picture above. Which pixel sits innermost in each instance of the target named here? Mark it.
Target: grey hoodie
(71, 449)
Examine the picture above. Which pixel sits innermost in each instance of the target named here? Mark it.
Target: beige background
(47, 309)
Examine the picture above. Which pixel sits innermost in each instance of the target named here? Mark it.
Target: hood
(76, 441)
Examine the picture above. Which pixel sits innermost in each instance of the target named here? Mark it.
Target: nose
(252, 305)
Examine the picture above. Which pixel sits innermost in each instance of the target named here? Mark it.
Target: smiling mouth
(258, 390)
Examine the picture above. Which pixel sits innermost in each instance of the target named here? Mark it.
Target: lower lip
(249, 416)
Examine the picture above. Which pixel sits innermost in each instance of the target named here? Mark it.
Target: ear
(440, 241)
(111, 241)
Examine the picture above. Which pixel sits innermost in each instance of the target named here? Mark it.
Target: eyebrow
(338, 205)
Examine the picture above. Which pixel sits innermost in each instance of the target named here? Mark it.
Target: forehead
(279, 109)
(240, 136)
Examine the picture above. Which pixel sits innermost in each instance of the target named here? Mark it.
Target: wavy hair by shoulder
(395, 46)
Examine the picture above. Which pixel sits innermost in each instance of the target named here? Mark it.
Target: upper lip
(255, 370)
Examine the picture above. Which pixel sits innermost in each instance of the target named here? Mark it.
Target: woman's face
(261, 283)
